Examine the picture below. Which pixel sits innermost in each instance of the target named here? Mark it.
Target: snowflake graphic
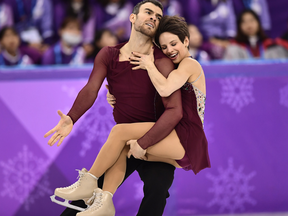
(21, 176)
(237, 92)
(208, 129)
(284, 96)
(231, 189)
(96, 124)
(139, 194)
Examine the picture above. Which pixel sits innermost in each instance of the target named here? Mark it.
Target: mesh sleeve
(89, 92)
(172, 114)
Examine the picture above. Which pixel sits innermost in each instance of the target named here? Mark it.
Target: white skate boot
(102, 205)
(82, 189)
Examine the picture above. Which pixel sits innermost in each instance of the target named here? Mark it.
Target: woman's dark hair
(100, 33)
(104, 3)
(97, 38)
(240, 36)
(5, 29)
(68, 20)
(85, 10)
(174, 25)
(155, 2)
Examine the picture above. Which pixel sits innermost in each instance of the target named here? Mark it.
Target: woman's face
(249, 25)
(173, 48)
(10, 41)
(107, 39)
(71, 28)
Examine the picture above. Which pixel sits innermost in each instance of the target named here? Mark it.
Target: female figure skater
(185, 147)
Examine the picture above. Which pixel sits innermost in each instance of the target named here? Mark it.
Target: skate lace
(97, 203)
(76, 184)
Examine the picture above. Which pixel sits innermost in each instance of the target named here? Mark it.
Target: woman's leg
(115, 143)
(115, 175)
(168, 148)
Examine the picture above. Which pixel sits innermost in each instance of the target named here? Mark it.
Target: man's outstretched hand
(62, 129)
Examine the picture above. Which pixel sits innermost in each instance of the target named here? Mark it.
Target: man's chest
(125, 82)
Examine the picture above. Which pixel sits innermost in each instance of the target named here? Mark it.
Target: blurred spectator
(114, 15)
(215, 18)
(172, 7)
(11, 53)
(34, 22)
(251, 41)
(103, 38)
(259, 6)
(68, 49)
(6, 16)
(83, 11)
(196, 46)
(285, 35)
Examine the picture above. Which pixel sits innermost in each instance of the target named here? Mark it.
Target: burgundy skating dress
(190, 129)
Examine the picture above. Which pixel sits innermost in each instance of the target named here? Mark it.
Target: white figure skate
(82, 189)
(102, 204)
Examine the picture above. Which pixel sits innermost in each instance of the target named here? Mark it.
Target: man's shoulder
(118, 46)
(113, 49)
(162, 62)
(158, 54)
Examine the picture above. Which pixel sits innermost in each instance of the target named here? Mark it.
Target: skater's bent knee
(120, 128)
(116, 129)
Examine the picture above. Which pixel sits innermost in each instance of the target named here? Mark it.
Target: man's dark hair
(137, 6)
(5, 29)
(241, 36)
(69, 20)
(174, 25)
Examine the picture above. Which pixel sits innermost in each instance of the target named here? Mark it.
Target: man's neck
(137, 43)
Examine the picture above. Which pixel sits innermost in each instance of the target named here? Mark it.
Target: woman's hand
(110, 98)
(142, 61)
(62, 129)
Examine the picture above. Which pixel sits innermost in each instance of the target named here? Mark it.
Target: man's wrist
(139, 143)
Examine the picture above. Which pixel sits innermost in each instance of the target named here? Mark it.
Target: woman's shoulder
(189, 63)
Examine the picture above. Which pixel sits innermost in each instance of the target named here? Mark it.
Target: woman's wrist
(150, 66)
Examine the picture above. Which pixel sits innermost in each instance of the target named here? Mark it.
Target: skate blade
(66, 203)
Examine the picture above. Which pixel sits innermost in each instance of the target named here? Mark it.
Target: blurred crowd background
(48, 32)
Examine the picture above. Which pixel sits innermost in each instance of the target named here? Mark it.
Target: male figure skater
(135, 103)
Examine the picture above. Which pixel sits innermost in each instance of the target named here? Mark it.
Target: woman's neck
(67, 49)
(11, 56)
(193, 51)
(253, 40)
(12, 52)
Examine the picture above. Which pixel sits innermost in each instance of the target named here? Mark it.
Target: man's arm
(84, 100)
(172, 114)
(88, 94)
